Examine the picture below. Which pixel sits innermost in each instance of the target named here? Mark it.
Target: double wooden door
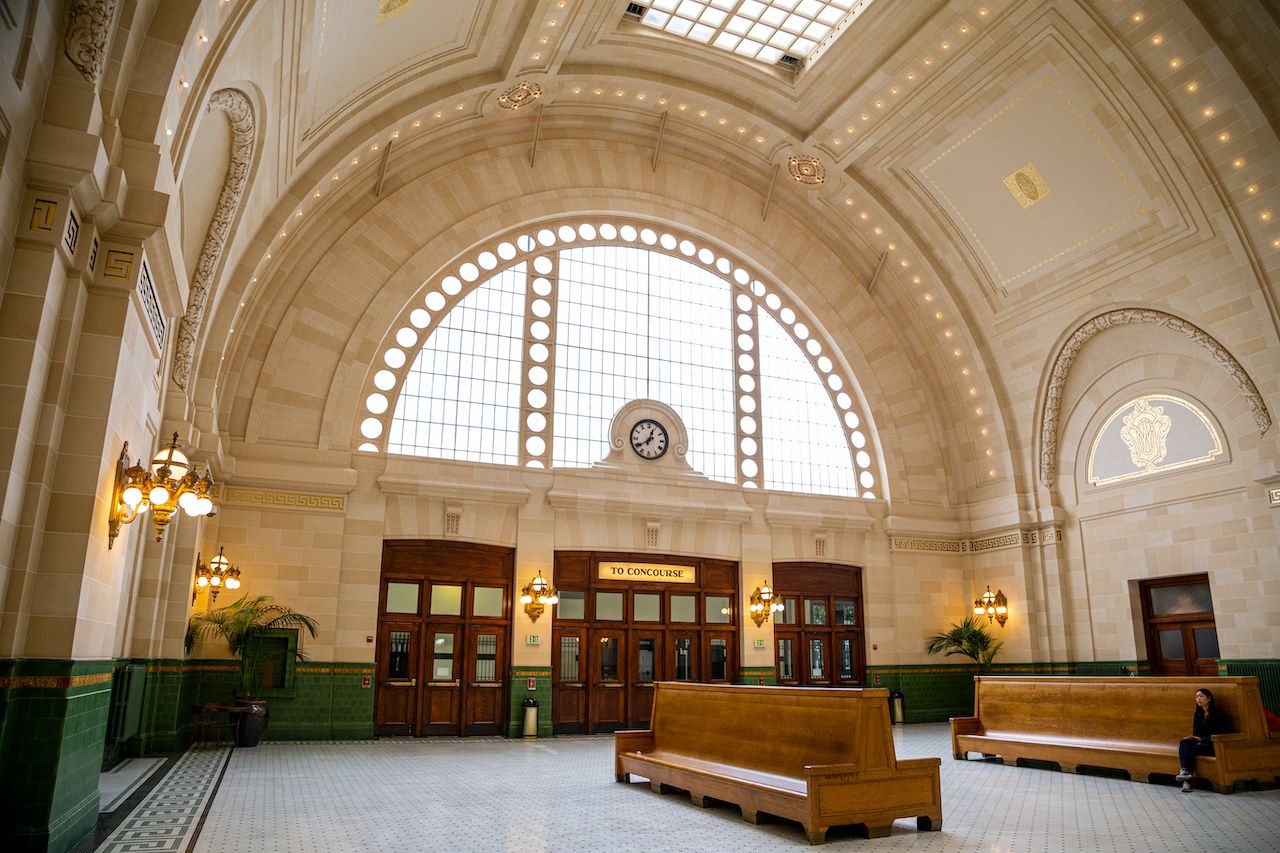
(1182, 636)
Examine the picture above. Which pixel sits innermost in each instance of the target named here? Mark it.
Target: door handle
(609, 684)
(570, 684)
(412, 682)
(485, 684)
(453, 683)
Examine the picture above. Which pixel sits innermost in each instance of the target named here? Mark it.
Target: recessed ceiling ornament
(1145, 430)
(806, 169)
(519, 95)
(1027, 186)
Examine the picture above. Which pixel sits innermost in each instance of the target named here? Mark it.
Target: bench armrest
(1227, 738)
(963, 726)
(635, 740)
(910, 763)
(813, 771)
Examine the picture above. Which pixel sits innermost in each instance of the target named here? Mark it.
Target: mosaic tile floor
(489, 794)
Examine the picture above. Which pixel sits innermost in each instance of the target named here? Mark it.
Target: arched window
(1150, 435)
(522, 356)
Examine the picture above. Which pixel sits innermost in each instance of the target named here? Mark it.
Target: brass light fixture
(216, 576)
(763, 602)
(992, 605)
(172, 482)
(536, 595)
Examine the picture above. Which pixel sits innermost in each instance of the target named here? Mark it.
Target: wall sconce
(216, 576)
(171, 482)
(536, 595)
(993, 606)
(763, 602)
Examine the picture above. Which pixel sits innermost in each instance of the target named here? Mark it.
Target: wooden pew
(823, 757)
(1131, 724)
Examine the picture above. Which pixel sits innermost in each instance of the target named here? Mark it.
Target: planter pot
(253, 722)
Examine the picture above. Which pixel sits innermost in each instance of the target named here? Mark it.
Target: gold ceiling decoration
(1027, 186)
(519, 95)
(806, 169)
(388, 9)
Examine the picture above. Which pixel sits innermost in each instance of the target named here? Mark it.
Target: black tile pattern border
(169, 818)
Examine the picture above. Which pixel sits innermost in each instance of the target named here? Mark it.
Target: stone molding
(85, 40)
(1123, 317)
(1016, 538)
(269, 499)
(239, 110)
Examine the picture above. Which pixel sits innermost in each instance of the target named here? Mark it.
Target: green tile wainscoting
(766, 675)
(518, 691)
(1268, 672)
(53, 724)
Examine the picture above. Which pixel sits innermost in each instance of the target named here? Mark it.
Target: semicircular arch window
(1149, 435)
(522, 353)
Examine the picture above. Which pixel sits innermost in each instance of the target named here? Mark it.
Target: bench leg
(1009, 760)
(657, 787)
(622, 777)
(961, 756)
(750, 815)
(925, 823)
(816, 836)
(879, 831)
(1224, 789)
(1145, 778)
(1067, 768)
(699, 800)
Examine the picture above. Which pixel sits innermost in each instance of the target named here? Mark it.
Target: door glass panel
(1171, 644)
(718, 611)
(609, 606)
(402, 597)
(787, 616)
(486, 657)
(786, 666)
(446, 600)
(719, 660)
(573, 605)
(684, 608)
(815, 611)
(817, 659)
(608, 658)
(846, 611)
(398, 654)
(846, 658)
(487, 601)
(569, 652)
(1206, 642)
(684, 659)
(647, 606)
(645, 662)
(1184, 598)
(442, 657)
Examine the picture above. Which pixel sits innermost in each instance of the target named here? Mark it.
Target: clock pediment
(650, 436)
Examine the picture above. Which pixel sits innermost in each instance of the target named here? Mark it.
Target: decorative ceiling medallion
(519, 95)
(1027, 186)
(806, 169)
(1144, 433)
(388, 9)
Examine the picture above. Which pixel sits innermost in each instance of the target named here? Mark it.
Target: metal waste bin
(530, 717)
(897, 708)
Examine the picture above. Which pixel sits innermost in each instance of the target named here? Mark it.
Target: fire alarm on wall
(368, 638)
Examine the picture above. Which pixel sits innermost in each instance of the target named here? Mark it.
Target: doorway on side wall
(1177, 615)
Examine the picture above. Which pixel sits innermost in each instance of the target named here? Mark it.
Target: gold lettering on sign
(1026, 186)
(43, 211)
(1144, 432)
(656, 572)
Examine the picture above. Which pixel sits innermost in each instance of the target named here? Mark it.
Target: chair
(203, 718)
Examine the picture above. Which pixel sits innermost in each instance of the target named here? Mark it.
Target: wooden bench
(1131, 724)
(823, 757)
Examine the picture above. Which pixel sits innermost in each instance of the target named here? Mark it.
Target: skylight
(788, 31)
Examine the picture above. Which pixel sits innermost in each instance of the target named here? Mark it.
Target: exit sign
(533, 639)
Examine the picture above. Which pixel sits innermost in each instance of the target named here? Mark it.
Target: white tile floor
(559, 795)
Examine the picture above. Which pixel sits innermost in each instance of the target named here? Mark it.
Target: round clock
(649, 439)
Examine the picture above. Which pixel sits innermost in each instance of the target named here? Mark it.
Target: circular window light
(744, 302)
(748, 447)
(538, 375)
(869, 495)
(824, 364)
(864, 459)
(628, 233)
(567, 233)
(406, 337)
(667, 242)
(746, 362)
(384, 380)
(787, 316)
(506, 251)
(746, 383)
(747, 404)
(526, 243)
(866, 479)
(537, 398)
(859, 440)
(394, 358)
(648, 236)
(533, 463)
(745, 343)
(740, 276)
(435, 300)
(843, 400)
(749, 468)
(488, 260)
(587, 231)
(744, 322)
(834, 382)
(542, 286)
(539, 352)
(419, 318)
(608, 232)
(748, 424)
(802, 331)
(759, 289)
(540, 308)
(724, 265)
(376, 403)
(773, 302)
(542, 265)
(369, 448)
(547, 237)
(706, 256)
(851, 420)
(535, 445)
(451, 285)
(469, 271)
(813, 346)
(536, 421)
(539, 330)
(748, 485)
(371, 427)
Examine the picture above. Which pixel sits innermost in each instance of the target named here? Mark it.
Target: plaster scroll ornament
(85, 41)
(239, 110)
(1123, 317)
(1144, 432)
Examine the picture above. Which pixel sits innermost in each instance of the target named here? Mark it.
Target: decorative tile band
(899, 543)
(53, 681)
(242, 496)
(1012, 539)
(170, 815)
(338, 669)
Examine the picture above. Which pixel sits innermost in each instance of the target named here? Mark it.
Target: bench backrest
(774, 729)
(1139, 710)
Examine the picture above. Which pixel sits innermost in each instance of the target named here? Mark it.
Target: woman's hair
(1208, 695)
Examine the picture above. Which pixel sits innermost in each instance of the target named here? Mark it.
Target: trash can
(530, 717)
(897, 708)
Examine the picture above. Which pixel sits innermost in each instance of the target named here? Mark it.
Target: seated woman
(1206, 723)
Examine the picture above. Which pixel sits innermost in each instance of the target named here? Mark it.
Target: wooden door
(569, 681)
(787, 657)
(608, 694)
(484, 687)
(399, 659)
(644, 662)
(442, 694)
(683, 656)
(817, 658)
(717, 657)
(1182, 636)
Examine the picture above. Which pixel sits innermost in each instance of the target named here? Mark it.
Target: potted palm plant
(969, 639)
(243, 624)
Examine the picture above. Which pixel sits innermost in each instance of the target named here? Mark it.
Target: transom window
(523, 354)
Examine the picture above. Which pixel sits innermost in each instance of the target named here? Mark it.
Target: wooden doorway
(818, 635)
(443, 651)
(1177, 615)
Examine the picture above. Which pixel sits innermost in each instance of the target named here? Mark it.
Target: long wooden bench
(1131, 724)
(823, 757)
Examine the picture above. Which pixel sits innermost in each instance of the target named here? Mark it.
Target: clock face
(649, 439)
